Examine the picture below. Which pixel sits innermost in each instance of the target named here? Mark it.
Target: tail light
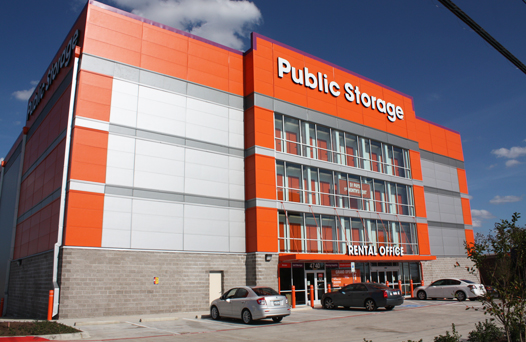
(262, 301)
(385, 293)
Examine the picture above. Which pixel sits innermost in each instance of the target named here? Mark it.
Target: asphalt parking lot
(413, 320)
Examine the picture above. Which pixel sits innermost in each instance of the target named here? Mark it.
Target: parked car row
(250, 303)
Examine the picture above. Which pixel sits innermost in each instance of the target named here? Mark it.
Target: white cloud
(222, 21)
(514, 152)
(479, 215)
(23, 95)
(491, 166)
(33, 83)
(505, 199)
(512, 162)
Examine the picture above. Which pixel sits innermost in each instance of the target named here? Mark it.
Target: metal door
(317, 279)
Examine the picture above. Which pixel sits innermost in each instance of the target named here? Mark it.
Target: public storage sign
(352, 93)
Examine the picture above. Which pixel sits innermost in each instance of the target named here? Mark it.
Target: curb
(63, 337)
(79, 324)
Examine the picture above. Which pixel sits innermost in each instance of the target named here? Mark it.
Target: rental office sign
(372, 250)
(352, 94)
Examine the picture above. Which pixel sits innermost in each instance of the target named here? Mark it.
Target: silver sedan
(460, 289)
(250, 303)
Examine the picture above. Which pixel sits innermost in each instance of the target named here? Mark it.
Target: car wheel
(246, 316)
(389, 307)
(370, 305)
(461, 296)
(328, 304)
(421, 295)
(214, 313)
(277, 319)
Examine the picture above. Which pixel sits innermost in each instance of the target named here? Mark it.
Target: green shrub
(486, 332)
(455, 337)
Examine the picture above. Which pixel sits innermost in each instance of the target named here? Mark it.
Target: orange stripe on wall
(262, 230)
(259, 127)
(416, 166)
(260, 177)
(470, 238)
(84, 219)
(466, 211)
(462, 181)
(88, 156)
(420, 201)
(423, 238)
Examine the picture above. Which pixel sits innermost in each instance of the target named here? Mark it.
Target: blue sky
(456, 79)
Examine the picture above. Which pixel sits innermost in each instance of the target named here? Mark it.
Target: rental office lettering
(352, 94)
(54, 69)
(359, 250)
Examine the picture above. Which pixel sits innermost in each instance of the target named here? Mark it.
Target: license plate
(276, 302)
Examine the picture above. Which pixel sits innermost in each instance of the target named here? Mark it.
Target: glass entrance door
(385, 274)
(317, 279)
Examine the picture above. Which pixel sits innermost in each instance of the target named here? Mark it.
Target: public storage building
(157, 169)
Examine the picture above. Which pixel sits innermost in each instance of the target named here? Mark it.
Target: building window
(311, 185)
(319, 142)
(328, 234)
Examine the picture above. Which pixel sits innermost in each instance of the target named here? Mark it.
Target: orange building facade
(149, 153)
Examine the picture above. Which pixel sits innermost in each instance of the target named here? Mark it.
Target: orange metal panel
(423, 239)
(262, 230)
(466, 211)
(420, 202)
(470, 238)
(265, 169)
(94, 96)
(179, 70)
(109, 51)
(88, 156)
(416, 167)
(462, 181)
(84, 219)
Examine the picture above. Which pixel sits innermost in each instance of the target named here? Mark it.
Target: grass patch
(34, 328)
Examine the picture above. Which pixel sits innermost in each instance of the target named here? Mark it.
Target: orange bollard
(387, 283)
(412, 289)
(50, 306)
(400, 285)
(293, 296)
(329, 288)
(1, 307)
(312, 296)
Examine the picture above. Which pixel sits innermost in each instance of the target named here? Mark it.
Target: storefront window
(278, 132)
(365, 148)
(309, 233)
(342, 196)
(379, 196)
(338, 140)
(351, 149)
(376, 156)
(367, 194)
(280, 178)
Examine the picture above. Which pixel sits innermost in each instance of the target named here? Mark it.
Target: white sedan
(450, 288)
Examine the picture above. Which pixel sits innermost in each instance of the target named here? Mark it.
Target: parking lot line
(152, 328)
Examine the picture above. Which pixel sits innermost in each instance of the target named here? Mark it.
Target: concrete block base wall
(261, 272)
(30, 280)
(448, 268)
(98, 282)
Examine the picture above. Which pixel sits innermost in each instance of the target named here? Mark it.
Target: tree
(501, 257)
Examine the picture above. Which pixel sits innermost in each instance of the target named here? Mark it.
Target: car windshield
(468, 281)
(264, 291)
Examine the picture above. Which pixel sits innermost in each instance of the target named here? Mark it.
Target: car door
(224, 304)
(436, 289)
(238, 302)
(360, 293)
(345, 296)
(451, 288)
